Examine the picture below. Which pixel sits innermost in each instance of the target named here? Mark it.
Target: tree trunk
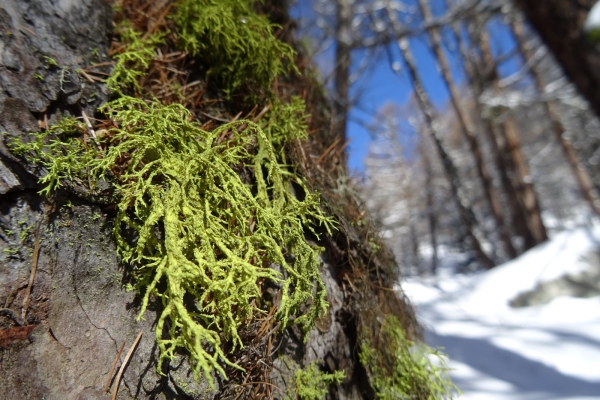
(464, 208)
(64, 310)
(476, 77)
(469, 134)
(521, 177)
(343, 36)
(560, 24)
(588, 192)
(431, 214)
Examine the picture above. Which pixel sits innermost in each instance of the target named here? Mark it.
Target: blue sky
(381, 85)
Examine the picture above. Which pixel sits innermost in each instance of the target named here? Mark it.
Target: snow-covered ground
(540, 352)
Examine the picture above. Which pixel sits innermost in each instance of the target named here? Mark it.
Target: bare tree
(464, 207)
(468, 132)
(508, 130)
(560, 25)
(343, 37)
(587, 189)
(431, 211)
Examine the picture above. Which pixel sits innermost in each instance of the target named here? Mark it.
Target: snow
(593, 19)
(497, 352)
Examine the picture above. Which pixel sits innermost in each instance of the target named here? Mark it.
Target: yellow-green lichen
(134, 60)
(200, 238)
(401, 369)
(234, 42)
(310, 383)
(58, 152)
(192, 228)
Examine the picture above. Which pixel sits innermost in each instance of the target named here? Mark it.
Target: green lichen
(199, 231)
(51, 62)
(134, 60)
(58, 153)
(201, 239)
(234, 41)
(401, 369)
(284, 122)
(310, 383)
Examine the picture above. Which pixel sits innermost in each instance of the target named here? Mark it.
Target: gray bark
(80, 312)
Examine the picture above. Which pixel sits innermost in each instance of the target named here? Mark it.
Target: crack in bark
(77, 253)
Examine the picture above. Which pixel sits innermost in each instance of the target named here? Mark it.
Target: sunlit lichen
(234, 41)
(192, 227)
(401, 369)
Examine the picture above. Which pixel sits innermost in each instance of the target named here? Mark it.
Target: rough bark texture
(80, 312)
(560, 25)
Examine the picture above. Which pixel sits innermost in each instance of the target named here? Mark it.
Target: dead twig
(122, 369)
(329, 149)
(102, 64)
(112, 369)
(90, 77)
(36, 251)
(90, 129)
(262, 113)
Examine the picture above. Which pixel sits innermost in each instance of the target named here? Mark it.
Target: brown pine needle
(262, 113)
(36, 252)
(335, 142)
(122, 369)
(112, 369)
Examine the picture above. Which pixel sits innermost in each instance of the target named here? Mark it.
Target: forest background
(466, 138)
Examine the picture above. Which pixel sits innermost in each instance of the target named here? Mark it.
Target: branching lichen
(132, 62)
(58, 152)
(310, 383)
(401, 369)
(234, 41)
(198, 230)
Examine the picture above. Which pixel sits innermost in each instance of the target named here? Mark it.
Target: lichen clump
(402, 369)
(310, 383)
(203, 215)
(234, 40)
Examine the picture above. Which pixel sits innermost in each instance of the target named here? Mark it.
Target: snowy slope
(540, 352)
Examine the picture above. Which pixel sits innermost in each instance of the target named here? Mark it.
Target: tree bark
(431, 214)
(64, 343)
(560, 24)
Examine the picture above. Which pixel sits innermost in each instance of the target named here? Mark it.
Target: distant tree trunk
(469, 134)
(343, 36)
(465, 210)
(521, 176)
(430, 204)
(560, 25)
(476, 75)
(586, 186)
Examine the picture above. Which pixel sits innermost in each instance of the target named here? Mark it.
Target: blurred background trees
(491, 148)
